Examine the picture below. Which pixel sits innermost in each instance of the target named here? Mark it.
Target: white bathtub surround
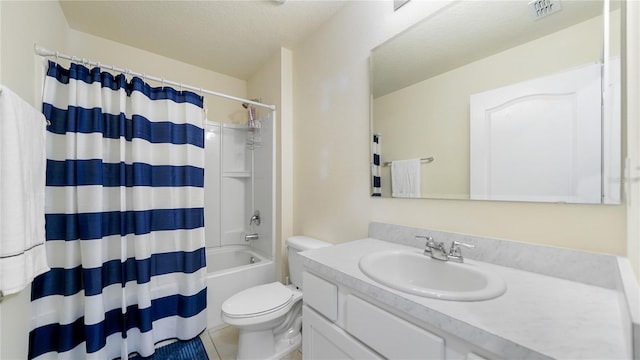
(229, 270)
(539, 317)
(238, 182)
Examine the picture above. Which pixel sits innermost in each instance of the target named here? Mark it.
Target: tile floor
(222, 344)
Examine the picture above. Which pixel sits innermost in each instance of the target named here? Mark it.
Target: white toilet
(269, 317)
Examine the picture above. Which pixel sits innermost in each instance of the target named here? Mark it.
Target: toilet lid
(258, 299)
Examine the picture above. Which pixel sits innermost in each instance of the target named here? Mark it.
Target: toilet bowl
(269, 316)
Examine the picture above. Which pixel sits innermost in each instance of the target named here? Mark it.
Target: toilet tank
(296, 244)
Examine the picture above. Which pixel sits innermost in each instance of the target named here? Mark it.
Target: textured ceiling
(230, 37)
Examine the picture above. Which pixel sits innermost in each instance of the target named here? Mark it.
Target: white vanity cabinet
(539, 317)
(338, 323)
(322, 339)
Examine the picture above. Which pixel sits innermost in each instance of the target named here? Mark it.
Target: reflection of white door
(539, 140)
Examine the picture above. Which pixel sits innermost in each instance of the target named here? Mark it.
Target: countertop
(538, 317)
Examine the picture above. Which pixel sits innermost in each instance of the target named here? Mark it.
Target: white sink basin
(413, 272)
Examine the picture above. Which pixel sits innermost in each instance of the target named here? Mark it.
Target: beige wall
(431, 118)
(284, 165)
(331, 147)
(0, 83)
(44, 23)
(22, 25)
(272, 84)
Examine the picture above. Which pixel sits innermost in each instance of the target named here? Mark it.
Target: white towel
(22, 182)
(405, 178)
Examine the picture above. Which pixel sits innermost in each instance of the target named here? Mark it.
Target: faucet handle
(429, 239)
(455, 248)
(430, 243)
(255, 218)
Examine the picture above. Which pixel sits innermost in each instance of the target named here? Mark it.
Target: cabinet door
(393, 337)
(321, 295)
(322, 339)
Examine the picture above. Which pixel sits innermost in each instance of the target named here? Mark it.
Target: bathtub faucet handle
(255, 218)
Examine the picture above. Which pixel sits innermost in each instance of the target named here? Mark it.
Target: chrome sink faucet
(438, 251)
(434, 249)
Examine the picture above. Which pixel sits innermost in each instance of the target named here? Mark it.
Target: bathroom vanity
(348, 315)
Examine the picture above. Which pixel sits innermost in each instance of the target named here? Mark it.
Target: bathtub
(231, 269)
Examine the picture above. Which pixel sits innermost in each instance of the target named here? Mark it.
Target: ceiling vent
(542, 8)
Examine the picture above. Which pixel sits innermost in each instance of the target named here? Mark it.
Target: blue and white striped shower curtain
(124, 217)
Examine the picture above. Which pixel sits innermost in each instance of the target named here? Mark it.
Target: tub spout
(250, 237)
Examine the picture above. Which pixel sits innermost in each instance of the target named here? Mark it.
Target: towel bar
(427, 160)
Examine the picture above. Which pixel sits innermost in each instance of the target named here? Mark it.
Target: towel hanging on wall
(22, 184)
(405, 178)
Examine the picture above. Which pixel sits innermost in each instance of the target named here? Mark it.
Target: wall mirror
(501, 100)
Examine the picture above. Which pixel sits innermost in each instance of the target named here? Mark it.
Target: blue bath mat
(180, 350)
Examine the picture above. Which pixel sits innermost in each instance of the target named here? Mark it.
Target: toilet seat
(259, 300)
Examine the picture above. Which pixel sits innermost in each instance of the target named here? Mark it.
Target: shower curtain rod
(49, 53)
